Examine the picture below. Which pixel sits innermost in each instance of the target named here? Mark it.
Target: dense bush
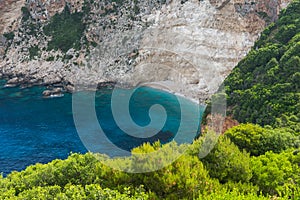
(257, 140)
(227, 163)
(33, 52)
(291, 121)
(265, 85)
(25, 14)
(277, 173)
(185, 178)
(87, 192)
(224, 194)
(66, 30)
(84, 177)
(9, 36)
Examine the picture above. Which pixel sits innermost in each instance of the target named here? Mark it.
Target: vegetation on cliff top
(264, 87)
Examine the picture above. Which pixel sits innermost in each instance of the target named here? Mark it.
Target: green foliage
(66, 30)
(227, 163)
(88, 192)
(51, 58)
(136, 8)
(33, 52)
(241, 187)
(292, 121)
(69, 179)
(277, 173)
(31, 28)
(25, 14)
(184, 178)
(257, 140)
(228, 195)
(9, 36)
(265, 85)
(84, 177)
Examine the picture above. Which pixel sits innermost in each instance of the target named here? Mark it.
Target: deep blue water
(36, 129)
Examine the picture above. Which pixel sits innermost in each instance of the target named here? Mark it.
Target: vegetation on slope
(258, 140)
(226, 172)
(248, 161)
(264, 87)
(66, 30)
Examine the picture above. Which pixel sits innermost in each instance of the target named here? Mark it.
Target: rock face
(10, 13)
(203, 41)
(196, 44)
(188, 47)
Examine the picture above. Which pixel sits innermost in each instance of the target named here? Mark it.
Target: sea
(35, 129)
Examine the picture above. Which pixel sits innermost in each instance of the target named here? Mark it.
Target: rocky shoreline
(194, 44)
(55, 89)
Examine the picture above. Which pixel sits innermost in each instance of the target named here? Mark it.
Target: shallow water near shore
(36, 129)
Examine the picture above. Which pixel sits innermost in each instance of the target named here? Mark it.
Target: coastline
(170, 87)
(58, 89)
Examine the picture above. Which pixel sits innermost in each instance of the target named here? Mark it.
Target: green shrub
(9, 36)
(25, 14)
(257, 140)
(84, 177)
(51, 58)
(66, 30)
(229, 195)
(264, 85)
(70, 192)
(184, 178)
(277, 173)
(33, 52)
(227, 163)
(292, 122)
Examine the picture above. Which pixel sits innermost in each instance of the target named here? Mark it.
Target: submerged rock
(56, 92)
(108, 84)
(12, 82)
(70, 88)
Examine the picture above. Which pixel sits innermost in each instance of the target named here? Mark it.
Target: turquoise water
(36, 129)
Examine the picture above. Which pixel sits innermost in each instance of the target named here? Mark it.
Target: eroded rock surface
(186, 46)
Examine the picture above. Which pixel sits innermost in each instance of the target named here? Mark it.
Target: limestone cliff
(187, 46)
